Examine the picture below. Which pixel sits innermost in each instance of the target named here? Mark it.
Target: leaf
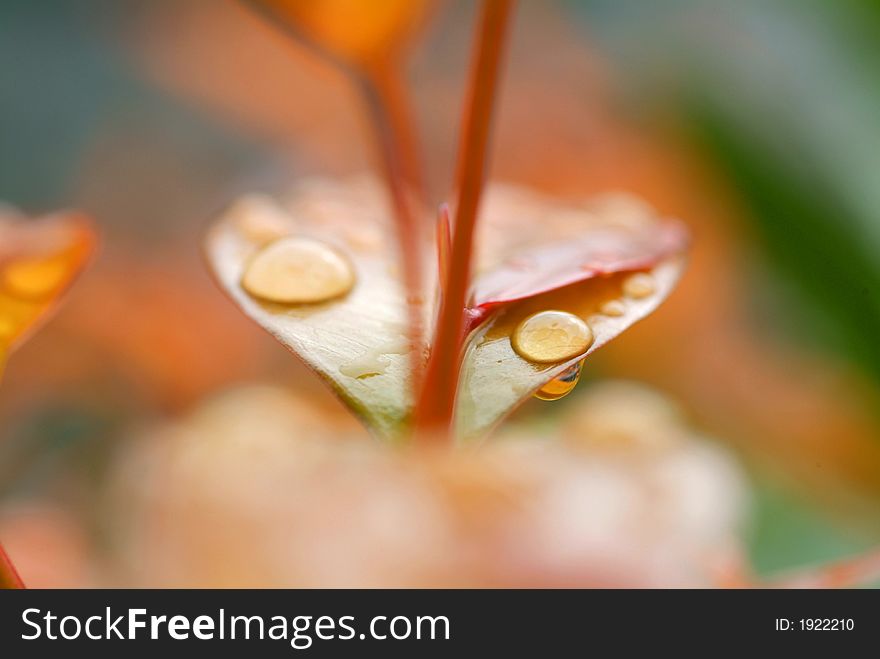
(39, 259)
(495, 379)
(550, 246)
(538, 254)
(358, 343)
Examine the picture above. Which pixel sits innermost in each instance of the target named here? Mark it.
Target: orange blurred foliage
(365, 34)
(561, 129)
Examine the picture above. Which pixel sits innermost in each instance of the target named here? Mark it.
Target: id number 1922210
(816, 624)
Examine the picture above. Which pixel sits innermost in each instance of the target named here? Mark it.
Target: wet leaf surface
(545, 245)
(495, 379)
(537, 253)
(358, 342)
(579, 259)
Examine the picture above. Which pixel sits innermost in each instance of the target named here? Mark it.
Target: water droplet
(614, 308)
(298, 270)
(563, 384)
(551, 336)
(639, 285)
(365, 366)
(375, 361)
(260, 219)
(34, 278)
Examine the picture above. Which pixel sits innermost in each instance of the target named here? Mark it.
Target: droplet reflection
(563, 384)
(639, 285)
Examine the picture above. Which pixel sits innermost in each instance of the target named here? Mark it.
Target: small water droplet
(365, 366)
(563, 384)
(34, 278)
(614, 308)
(375, 361)
(260, 219)
(639, 285)
(298, 270)
(551, 336)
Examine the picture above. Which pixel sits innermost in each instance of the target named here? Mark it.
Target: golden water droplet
(298, 270)
(563, 384)
(260, 219)
(7, 328)
(613, 308)
(551, 336)
(639, 285)
(34, 278)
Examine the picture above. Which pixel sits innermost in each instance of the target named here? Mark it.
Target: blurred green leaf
(808, 234)
(785, 99)
(790, 532)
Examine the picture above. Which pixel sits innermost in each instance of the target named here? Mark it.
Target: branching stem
(436, 404)
(393, 126)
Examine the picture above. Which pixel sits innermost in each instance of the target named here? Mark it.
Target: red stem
(9, 578)
(395, 136)
(393, 117)
(436, 405)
